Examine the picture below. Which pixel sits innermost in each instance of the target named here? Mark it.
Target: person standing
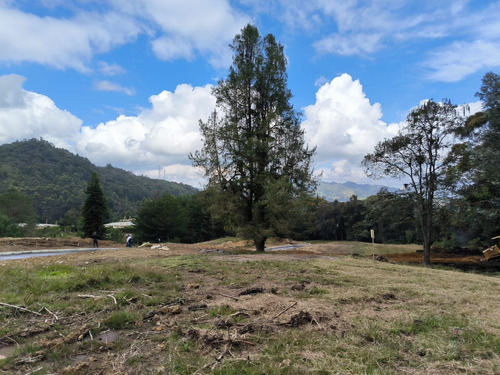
(129, 240)
(94, 238)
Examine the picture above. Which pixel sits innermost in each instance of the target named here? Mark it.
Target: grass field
(245, 314)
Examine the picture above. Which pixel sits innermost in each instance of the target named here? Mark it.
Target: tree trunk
(260, 244)
(427, 237)
(427, 253)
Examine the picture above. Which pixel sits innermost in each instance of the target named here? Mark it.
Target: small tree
(163, 219)
(419, 154)
(95, 210)
(253, 153)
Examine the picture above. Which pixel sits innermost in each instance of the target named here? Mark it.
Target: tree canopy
(254, 154)
(474, 176)
(419, 155)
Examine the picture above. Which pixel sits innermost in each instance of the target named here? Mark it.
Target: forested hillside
(56, 180)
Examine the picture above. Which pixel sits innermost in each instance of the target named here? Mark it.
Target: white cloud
(162, 135)
(465, 34)
(344, 126)
(111, 86)
(456, 61)
(181, 173)
(195, 26)
(348, 45)
(25, 115)
(178, 30)
(110, 69)
(61, 42)
(341, 171)
(172, 48)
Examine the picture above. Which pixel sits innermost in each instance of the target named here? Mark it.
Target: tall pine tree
(254, 154)
(95, 210)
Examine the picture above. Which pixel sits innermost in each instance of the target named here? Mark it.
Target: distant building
(41, 225)
(124, 223)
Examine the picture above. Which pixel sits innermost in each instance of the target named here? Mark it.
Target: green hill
(56, 180)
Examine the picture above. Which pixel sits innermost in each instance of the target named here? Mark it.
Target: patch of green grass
(221, 310)
(121, 320)
(56, 270)
(430, 323)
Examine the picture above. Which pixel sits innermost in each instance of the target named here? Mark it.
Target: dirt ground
(461, 259)
(265, 311)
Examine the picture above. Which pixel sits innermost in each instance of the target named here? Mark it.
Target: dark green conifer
(95, 210)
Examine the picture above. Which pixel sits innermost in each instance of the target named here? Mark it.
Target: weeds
(185, 315)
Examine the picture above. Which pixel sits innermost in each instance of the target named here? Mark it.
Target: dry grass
(186, 312)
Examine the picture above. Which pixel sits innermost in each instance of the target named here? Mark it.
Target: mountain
(343, 191)
(56, 180)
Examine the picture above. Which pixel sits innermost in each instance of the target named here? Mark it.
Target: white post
(372, 233)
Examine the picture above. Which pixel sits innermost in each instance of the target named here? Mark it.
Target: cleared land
(219, 308)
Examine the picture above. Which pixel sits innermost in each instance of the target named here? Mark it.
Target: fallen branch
(284, 311)
(34, 371)
(226, 295)
(315, 321)
(51, 313)
(97, 297)
(20, 308)
(8, 338)
(88, 296)
(253, 290)
(114, 299)
(238, 313)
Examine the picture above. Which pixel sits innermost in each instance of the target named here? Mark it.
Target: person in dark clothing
(94, 238)
(129, 240)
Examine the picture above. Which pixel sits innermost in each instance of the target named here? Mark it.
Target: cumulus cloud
(162, 135)
(197, 26)
(344, 126)
(25, 115)
(342, 123)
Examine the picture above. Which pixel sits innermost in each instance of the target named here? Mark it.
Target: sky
(126, 82)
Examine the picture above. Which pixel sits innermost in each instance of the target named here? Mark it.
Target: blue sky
(125, 83)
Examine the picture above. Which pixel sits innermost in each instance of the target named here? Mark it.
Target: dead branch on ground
(19, 308)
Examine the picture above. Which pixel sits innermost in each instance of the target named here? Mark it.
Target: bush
(8, 228)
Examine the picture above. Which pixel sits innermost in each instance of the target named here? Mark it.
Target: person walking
(129, 240)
